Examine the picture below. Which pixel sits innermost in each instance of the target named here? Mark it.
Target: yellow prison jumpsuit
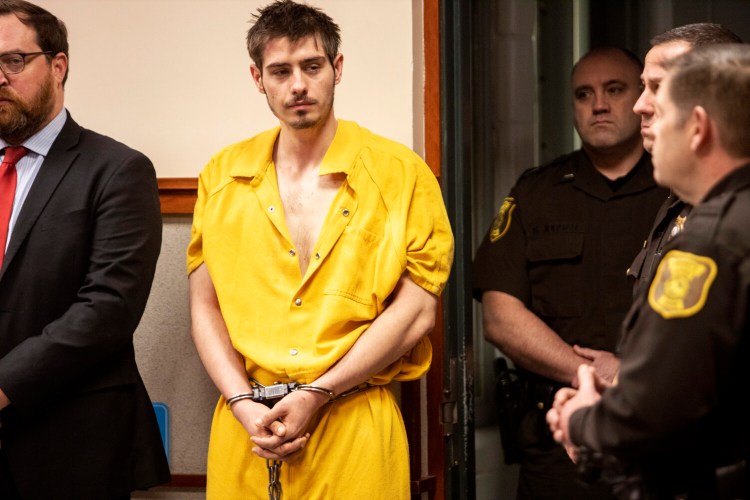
(387, 218)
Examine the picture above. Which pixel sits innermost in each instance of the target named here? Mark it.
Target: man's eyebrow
(314, 59)
(615, 81)
(276, 65)
(309, 60)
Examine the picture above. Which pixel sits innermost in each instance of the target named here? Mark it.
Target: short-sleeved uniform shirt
(387, 219)
(677, 411)
(562, 242)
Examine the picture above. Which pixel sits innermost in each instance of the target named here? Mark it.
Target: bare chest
(306, 204)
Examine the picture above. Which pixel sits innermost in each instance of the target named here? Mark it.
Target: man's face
(653, 74)
(671, 142)
(29, 99)
(605, 87)
(298, 81)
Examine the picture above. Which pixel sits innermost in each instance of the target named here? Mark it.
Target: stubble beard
(303, 121)
(19, 120)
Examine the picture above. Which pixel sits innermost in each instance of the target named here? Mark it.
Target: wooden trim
(432, 84)
(435, 383)
(424, 485)
(435, 480)
(433, 483)
(178, 195)
(187, 481)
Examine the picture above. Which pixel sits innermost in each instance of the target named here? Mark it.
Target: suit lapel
(59, 159)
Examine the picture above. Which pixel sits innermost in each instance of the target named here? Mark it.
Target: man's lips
(300, 104)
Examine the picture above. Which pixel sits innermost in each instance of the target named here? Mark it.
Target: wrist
(319, 390)
(320, 395)
(247, 409)
(242, 396)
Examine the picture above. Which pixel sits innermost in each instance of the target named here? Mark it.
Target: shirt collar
(733, 181)
(344, 150)
(41, 142)
(588, 179)
(339, 158)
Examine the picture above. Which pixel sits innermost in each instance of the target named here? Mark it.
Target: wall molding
(178, 195)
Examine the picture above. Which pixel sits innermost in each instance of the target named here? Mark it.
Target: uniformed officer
(674, 419)
(673, 213)
(551, 271)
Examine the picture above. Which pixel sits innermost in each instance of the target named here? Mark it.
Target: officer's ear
(702, 129)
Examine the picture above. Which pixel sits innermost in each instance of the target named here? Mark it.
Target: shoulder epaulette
(546, 166)
(703, 222)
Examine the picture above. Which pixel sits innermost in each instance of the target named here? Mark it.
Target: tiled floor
(494, 479)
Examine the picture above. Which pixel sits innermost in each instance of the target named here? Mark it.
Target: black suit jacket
(73, 286)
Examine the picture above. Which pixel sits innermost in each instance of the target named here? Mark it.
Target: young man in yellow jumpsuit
(317, 256)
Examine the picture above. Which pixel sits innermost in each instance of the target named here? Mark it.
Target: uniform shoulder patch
(681, 284)
(502, 220)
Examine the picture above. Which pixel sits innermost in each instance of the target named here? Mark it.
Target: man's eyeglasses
(16, 62)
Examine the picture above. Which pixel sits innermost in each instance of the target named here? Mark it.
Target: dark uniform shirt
(669, 222)
(677, 413)
(562, 243)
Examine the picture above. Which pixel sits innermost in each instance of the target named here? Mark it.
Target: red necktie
(8, 191)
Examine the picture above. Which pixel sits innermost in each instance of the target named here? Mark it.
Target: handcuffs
(269, 395)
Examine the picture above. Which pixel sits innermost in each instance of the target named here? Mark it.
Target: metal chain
(274, 486)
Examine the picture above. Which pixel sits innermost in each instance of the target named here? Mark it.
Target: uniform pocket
(555, 272)
(556, 247)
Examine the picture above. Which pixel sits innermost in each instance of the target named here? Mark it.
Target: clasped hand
(568, 400)
(281, 431)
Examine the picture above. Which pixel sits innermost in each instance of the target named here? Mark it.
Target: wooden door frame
(416, 416)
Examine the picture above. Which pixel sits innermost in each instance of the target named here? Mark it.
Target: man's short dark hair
(51, 34)
(288, 19)
(697, 35)
(717, 78)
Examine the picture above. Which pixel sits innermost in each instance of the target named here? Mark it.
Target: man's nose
(643, 106)
(299, 83)
(601, 103)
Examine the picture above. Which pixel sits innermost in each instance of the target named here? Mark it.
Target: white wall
(171, 77)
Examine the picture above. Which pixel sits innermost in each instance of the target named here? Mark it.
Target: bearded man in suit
(81, 237)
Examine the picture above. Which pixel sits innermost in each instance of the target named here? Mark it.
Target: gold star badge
(679, 225)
